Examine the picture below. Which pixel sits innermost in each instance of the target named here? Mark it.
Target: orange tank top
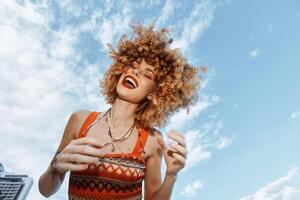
(118, 176)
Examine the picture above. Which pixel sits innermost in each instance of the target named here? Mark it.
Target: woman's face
(136, 82)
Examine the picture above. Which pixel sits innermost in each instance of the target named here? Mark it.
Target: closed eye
(149, 77)
(148, 73)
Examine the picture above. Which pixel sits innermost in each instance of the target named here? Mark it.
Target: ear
(152, 98)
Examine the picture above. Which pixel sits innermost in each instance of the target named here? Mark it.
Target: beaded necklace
(121, 138)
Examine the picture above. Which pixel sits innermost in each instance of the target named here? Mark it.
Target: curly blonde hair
(177, 80)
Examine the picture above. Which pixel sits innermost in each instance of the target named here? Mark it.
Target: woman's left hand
(174, 154)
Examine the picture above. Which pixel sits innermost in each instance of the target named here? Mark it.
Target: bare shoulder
(152, 140)
(72, 127)
(76, 120)
(157, 132)
(154, 133)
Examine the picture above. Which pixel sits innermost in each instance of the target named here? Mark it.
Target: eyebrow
(150, 71)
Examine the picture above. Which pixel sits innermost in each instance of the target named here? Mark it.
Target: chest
(100, 131)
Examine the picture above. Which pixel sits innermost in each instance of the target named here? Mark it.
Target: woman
(110, 153)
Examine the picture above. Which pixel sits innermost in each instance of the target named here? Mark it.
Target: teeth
(131, 80)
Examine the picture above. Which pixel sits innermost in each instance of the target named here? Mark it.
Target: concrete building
(14, 186)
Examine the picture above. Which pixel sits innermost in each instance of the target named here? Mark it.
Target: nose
(136, 72)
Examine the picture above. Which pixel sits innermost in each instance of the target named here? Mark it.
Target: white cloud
(113, 26)
(284, 188)
(210, 74)
(295, 115)
(181, 117)
(194, 25)
(167, 11)
(254, 53)
(41, 83)
(224, 142)
(190, 190)
(295, 119)
(107, 26)
(148, 3)
(45, 75)
(201, 141)
(196, 152)
(71, 8)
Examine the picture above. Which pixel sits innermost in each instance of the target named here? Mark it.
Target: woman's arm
(154, 189)
(50, 181)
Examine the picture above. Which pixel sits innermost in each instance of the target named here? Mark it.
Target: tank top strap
(141, 141)
(90, 119)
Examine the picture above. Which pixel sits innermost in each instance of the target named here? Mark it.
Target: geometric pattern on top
(118, 176)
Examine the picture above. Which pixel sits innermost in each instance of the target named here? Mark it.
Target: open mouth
(130, 82)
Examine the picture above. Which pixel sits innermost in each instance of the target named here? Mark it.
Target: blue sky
(243, 135)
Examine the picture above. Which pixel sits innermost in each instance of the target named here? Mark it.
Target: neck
(122, 113)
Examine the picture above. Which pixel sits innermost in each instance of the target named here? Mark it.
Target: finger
(178, 137)
(88, 140)
(73, 167)
(178, 148)
(180, 158)
(174, 132)
(78, 158)
(85, 149)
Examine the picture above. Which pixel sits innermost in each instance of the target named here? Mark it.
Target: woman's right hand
(78, 154)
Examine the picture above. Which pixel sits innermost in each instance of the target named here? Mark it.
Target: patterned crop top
(118, 176)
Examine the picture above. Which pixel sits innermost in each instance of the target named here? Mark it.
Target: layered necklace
(121, 138)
